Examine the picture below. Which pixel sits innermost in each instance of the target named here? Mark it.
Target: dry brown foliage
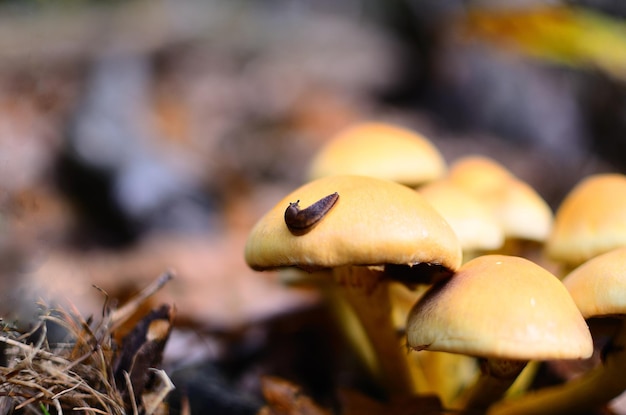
(75, 375)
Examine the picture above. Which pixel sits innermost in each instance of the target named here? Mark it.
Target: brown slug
(300, 221)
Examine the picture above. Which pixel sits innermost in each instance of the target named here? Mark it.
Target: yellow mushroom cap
(479, 175)
(591, 220)
(500, 306)
(523, 213)
(374, 222)
(598, 286)
(470, 219)
(379, 150)
(520, 210)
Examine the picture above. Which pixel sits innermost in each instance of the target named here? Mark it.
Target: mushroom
(376, 231)
(379, 150)
(477, 229)
(478, 174)
(598, 288)
(385, 151)
(478, 232)
(590, 220)
(472, 222)
(524, 215)
(505, 310)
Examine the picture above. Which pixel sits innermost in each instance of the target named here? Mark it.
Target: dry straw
(76, 375)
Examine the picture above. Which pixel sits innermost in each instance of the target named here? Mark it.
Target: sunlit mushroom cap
(503, 307)
(479, 175)
(374, 222)
(591, 220)
(379, 150)
(471, 220)
(521, 211)
(598, 286)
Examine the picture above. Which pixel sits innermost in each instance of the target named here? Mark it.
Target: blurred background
(140, 136)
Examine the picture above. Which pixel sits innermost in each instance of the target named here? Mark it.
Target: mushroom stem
(496, 377)
(438, 367)
(367, 291)
(432, 369)
(341, 312)
(352, 331)
(580, 395)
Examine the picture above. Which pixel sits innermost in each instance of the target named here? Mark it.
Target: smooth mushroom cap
(521, 211)
(500, 306)
(471, 220)
(479, 175)
(591, 219)
(379, 150)
(374, 222)
(598, 286)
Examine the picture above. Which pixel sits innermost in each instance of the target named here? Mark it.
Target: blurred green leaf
(565, 35)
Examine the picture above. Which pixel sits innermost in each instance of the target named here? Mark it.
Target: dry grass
(75, 375)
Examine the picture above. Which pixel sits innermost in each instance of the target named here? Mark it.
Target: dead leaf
(355, 403)
(142, 351)
(285, 398)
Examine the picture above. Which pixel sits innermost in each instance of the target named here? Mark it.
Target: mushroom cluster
(448, 272)
(376, 231)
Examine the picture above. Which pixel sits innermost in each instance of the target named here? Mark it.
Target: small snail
(299, 221)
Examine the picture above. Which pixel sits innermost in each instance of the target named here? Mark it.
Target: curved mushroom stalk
(342, 313)
(577, 396)
(367, 291)
(496, 377)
